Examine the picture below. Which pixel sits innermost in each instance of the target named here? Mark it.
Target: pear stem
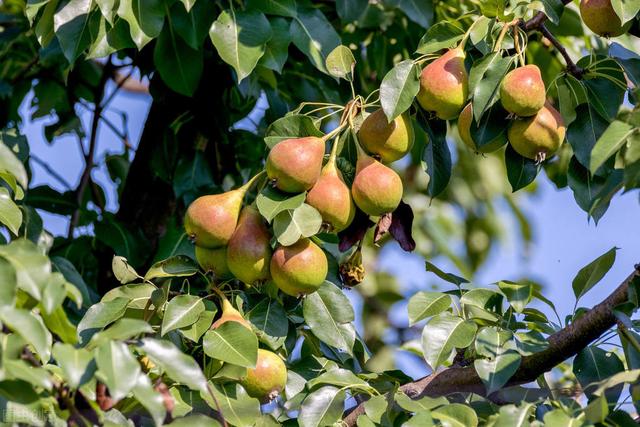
(516, 43)
(219, 293)
(503, 33)
(249, 183)
(334, 132)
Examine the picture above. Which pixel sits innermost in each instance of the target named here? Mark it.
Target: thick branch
(564, 344)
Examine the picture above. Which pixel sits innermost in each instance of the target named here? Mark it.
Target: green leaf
(274, 7)
(594, 365)
(74, 363)
(420, 419)
(240, 39)
(626, 9)
(196, 420)
(593, 193)
(277, 49)
(179, 65)
(117, 368)
(416, 405)
(152, 400)
(122, 329)
(179, 366)
(21, 370)
(456, 415)
(291, 225)
(398, 88)
(270, 320)
(322, 407)
(553, 9)
(591, 274)
(181, 311)
(290, 126)
(427, 304)
(145, 19)
(58, 322)
(520, 170)
(328, 313)
(271, 202)
(314, 35)
(32, 267)
(484, 81)
(202, 325)
(341, 63)
(232, 342)
(584, 132)
(442, 334)
(492, 341)
(193, 26)
(70, 273)
(100, 315)
(176, 266)
(501, 363)
(514, 416)
(449, 277)
(436, 157)
(419, 11)
(442, 35)
(137, 293)
(10, 213)
(518, 294)
(54, 293)
(338, 377)
(9, 281)
(31, 328)
(10, 162)
(613, 138)
(238, 407)
(74, 25)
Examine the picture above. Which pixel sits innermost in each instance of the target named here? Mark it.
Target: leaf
(484, 81)
(290, 126)
(193, 26)
(70, 273)
(337, 377)
(322, 407)
(10, 214)
(177, 365)
(117, 368)
(401, 226)
(9, 282)
(202, 325)
(152, 400)
(456, 415)
(240, 39)
(59, 324)
(442, 35)
(613, 138)
(584, 133)
(314, 35)
(122, 329)
(138, 294)
(502, 361)
(270, 320)
(520, 170)
(515, 416)
(593, 193)
(10, 162)
(427, 304)
(100, 315)
(291, 225)
(553, 9)
(180, 312)
(145, 19)
(238, 407)
(419, 11)
(626, 9)
(32, 267)
(341, 63)
(442, 334)
(277, 49)
(74, 363)
(328, 313)
(594, 365)
(425, 403)
(398, 88)
(31, 328)
(232, 342)
(436, 157)
(591, 274)
(179, 65)
(274, 7)
(176, 266)
(74, 25)
(449, 277)
(518, 294)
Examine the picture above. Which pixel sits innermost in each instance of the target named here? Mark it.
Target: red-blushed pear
(522, 91)
(376, 189)
(214, 261)
(294, 165)
(465, 121)
(299, 269)
(331, 196)
(538, 137)
(268, 379)
(601, 18)
(444, 85)
(390, 141)
(211, 220)
(249, 250)
(230, 314)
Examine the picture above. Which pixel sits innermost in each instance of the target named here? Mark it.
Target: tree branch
(564, 344)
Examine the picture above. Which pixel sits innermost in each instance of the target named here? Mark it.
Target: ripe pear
(376, 188)
(331, 196)
(390, 141)
(540, 136)
(601, 18)
(213, 260)
(299, 269)
(465, 123)
(268, 379)
(230, 314)
(294, 164)
(211, 220)
(522, 91)
(249, 250)
(444, 85)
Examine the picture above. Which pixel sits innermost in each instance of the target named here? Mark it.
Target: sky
(564, 239)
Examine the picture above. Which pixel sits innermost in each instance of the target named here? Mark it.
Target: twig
(50, 171)
(572, 68)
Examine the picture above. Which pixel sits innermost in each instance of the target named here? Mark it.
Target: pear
(294, 164)
(230, 314)
(213, 260)
(522, 91)
(376, 189)
(299, 269)
(465, 123)
(444, 85)
(389, 141)
(249, 250)
(538, 137)
(331, 196)
(601, 18)
(268, 379)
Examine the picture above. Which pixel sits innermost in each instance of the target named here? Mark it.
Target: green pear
(602, 19)
(376, 188)
(299, 269)
(294, 165)
(249, 249)
(538, 137)
(268, 379)
(214, 261)
(444, 85)
(390, 141)
(522, 91)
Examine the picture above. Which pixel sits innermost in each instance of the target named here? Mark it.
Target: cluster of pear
(538, 130)
(601, 18)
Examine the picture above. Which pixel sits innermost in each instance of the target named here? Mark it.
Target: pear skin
(299, 269)
(601, 18)
(249, 250)
(214, 260)
(376, 189)
(332, 198)
(522, 91)
(540, 136)
(391, 141)
(294, 165)
(230, 314)
(268, 379)
(465, 122)
(444, 85)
